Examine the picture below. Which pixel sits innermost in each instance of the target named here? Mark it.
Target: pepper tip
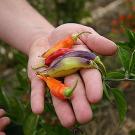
(69, 91)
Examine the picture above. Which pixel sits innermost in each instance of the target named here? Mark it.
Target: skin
(32, 34)
(86, 89)
(4, 121)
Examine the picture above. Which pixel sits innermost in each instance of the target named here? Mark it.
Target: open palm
(89, 88)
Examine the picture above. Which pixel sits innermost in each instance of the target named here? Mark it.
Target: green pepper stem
(76, 36)
(100, 65)
(93, 64)
(69, 91)
(42, 73)
(39, 66)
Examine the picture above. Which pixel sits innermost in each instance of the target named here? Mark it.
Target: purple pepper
(78, 53)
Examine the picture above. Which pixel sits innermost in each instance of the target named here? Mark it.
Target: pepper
(73, 61)
(57, 88)
(67, 42)
(66, 67)
(74, 53)
(55, 55)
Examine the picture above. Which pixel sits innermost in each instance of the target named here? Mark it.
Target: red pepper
(56, 54)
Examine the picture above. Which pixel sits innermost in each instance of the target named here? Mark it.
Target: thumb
(99, 44)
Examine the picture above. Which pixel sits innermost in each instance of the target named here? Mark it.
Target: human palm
(89, 88)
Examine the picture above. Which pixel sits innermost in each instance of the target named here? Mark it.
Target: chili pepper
(74, 53)
(74, 61)
(56, 54)
(67, 42)
(67, 66)
(57, 88)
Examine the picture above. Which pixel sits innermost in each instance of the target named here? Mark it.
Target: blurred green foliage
(62, 11)
(17, 101)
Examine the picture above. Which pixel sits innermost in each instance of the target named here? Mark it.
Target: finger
(2, 133)
(94, 41)
(2, 112)
(67, 29)
(37, 95)
(79, 101)
(93, 84)
(37, 86)
(91, 77)
(64, 112)
(99, 44)
(4, 121)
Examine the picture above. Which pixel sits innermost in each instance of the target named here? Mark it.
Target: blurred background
(107, 17)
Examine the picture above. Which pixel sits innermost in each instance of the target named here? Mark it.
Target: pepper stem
(100, 65)
(93, 64)
(69, 91)
(38, 67)
(40, 76)
(76, 36)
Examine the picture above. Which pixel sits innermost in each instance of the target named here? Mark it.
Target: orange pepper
(57, 88)
(67, 42)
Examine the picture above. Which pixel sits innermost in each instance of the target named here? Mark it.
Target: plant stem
(124, 79)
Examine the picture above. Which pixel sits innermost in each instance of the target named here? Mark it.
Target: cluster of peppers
(61, 60)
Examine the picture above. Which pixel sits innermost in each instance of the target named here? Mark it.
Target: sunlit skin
(25, 29)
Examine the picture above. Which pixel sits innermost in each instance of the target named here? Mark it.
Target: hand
(4, 121)
(89, 89)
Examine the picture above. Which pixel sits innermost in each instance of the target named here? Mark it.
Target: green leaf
(41, 131)
(132, 62)
(124, 57)
(30, 124)
(13, 106)
(133, 72)
(115, 75)
(23, 82)
(131, 38)
(2, 82)
(21, 58)
(4, 100)
(106, 89)
(124, 45)
(121, 103)
(17, 113)
(56, 130)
